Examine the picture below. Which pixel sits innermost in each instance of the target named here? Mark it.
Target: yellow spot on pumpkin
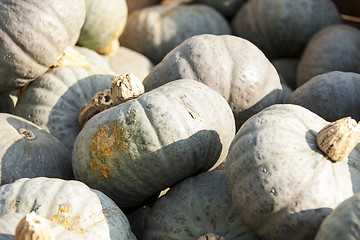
(109, 138)
(14, 203)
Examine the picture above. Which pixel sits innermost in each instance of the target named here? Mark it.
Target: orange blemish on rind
(109, 138)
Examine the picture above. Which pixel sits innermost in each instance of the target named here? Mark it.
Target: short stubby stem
(211, 236)
(339, 138)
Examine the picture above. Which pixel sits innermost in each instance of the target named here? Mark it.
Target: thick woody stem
(211, 236)
(339, 138)
(33, 227)
(98, 103)
(126, 87)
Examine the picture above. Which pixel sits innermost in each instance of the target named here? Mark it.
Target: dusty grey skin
(280, 181)
(104, 23)
(29, 151)
(282, 28)
(334, 48)
(331, 95)
(10, 221)
(195, 207)
(154, 31)
(171, 132)
(87, 212)
(343, 222)
(232, 66)
(53, 101)
(33, 37)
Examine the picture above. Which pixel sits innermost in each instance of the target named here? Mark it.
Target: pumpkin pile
(179, 119)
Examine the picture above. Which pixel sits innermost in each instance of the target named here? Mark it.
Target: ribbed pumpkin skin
(33, 35)
(154, 31)
(331, 95)
(334, 48)
(105, 21)
(44, 156)
(134, 150)
(72, 204)
(227, 8)
(282, 28)
(281, 183)
(232, 66)
(343, 222)
(53, 100)
(203, 205)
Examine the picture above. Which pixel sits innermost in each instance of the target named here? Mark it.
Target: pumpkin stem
(29, 135)
(123, 88)
(126, 87)
(98, 103)
(70, 56)
(211, 236)
(339, 138)
(33, 227)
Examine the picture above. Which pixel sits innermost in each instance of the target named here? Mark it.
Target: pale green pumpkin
(155, 30)
(281, 183)
(104, 23)
(136, 149)
(282, 28)
(53, 101)
(86, 212)
(29, 151)
(195, 207)
(343, 222)
(33, 35)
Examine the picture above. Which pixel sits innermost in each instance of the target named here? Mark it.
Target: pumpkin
(334, 48)
(29, 226)
(53, 100)
(138, 4)
(154, 31)
(126, 60)
(195, 207)
(232, 66)
(282, 28)
(93, 59)
(8, 101)
(287, 67)
(29, 151)
(137, 218)
(104, 23)
(331, 95)
(172, 132)
(33, 37)
(227, 8)
(284, 172)
(343, 222)
(88, 213)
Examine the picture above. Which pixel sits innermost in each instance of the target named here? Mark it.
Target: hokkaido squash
(53, 100)
(104, 23)
(155, 30)
(203, 205)
(343, 222)
(33, 35)
(282, 28)
(171, 132)
(286, 170)
(334, 48)
(86, 212)
(29, 151)
(331, 95)
(232, 66)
